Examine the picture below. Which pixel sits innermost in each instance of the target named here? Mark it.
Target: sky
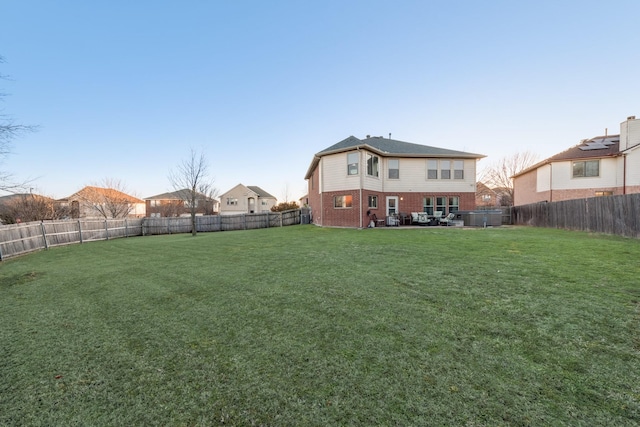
(124, 90)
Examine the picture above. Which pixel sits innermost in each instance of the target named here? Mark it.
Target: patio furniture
(404, 219)
(421, 218)
(393, 221)
(447, 219)
(376, 222)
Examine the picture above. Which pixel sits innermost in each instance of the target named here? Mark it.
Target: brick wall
(342, 217)
(581, 193)
(350, 217)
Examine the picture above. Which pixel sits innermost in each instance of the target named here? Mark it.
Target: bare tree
(285, 193)
(191, 176)
(30, 207)
(499, 175)
(8, 131)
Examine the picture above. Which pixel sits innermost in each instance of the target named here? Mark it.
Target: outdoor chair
(377, 222)
(405, 219)
(447, 219)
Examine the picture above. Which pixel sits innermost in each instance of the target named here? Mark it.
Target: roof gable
(257, 191)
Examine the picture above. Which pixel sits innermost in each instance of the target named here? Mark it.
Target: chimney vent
(631, 118)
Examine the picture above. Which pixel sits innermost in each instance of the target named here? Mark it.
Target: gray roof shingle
(389, 146)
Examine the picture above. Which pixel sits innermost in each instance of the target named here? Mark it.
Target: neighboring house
(26, 207)
(355, 179)
(485, 196)
(177, 203)
(246, 199)
(491, 197)
(97, 202)
(600, 166)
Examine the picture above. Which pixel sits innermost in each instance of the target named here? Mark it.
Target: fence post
(44, 235)
(126, 228)
(106, 229)
(280, 219)
(80, 230)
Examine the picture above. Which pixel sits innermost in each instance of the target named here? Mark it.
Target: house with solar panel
(601, 166)
(355, 180)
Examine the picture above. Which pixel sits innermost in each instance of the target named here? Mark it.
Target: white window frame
(393, 165)
(352, 166)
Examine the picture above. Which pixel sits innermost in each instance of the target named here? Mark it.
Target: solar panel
(593, 146)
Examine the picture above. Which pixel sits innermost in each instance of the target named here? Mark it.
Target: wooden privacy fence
(221, 222)
(618, 215)
(17, 239)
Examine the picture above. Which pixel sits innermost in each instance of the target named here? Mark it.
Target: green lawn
(308, 326)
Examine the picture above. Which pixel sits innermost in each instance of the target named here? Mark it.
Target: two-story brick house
(354, 179)
(178, 203)
(600, 166)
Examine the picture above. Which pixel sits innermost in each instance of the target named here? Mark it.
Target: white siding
(563, 176)
(633, 167)
(543, 178)
(413, 176)
(239, 192)
(334, 173)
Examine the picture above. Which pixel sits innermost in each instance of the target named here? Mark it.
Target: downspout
(624, 173)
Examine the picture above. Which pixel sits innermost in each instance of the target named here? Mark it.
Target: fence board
(17, 239)
(619, 215)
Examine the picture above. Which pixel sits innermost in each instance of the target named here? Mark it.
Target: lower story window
(441, 205)
(454, 204)
(342, 201)
(427, 205)
(604, 193)
(431, 204)
(373, 202)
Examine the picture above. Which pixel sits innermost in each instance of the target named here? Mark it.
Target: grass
(315, 326)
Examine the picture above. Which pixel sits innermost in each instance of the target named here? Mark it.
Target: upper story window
(372, 165)
(445, 169)
(394, 168)
(432, 169)
(155, 203)
(352, 164)
(458, 169)
(586, 168)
